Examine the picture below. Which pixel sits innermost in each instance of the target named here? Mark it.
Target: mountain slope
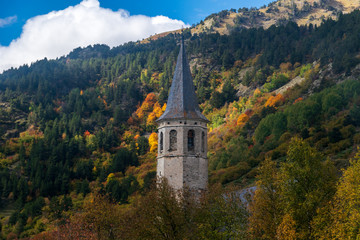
(88, 119)
(301, 12)
(276, 13)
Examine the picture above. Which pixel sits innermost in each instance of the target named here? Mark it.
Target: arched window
(161, 142)
(191, 142)
(173, 140)
(202, 142)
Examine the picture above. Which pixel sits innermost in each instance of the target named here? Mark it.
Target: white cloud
(57, 33)
(7, 21)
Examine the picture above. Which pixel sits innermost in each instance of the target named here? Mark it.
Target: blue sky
(189, 11)
(33, 29)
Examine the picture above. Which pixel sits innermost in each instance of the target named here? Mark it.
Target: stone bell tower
(182, 144)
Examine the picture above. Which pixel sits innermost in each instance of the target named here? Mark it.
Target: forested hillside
(79, 143)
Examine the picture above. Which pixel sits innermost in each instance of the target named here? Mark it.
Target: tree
(266, 207)
(162, 214)
(344, 213)
(217, 100)
(123, 159)
(221, 215)
(228, 92)
(307, 184)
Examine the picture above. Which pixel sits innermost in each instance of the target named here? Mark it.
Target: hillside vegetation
(277, 13)
(78, 146)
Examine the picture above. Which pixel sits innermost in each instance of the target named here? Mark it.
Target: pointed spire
(182, 102)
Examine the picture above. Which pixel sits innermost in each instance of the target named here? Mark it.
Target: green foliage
(120, 191)
(307, 183)
(122, 160)
(276, 81)
(149, 180)
(304, 69)
(75, 111)
(274, 124)
(167, 214)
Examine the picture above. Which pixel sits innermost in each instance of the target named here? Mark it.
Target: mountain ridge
(275, 13)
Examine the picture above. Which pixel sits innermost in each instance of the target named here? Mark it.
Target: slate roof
(182, 102)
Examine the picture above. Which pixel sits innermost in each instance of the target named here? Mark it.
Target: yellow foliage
(153, 142)
(257, 92)
(151, 118)
(155, 114)
(90, 141)
(128, 136)
(157, 110)
(346, 212)
(265, 207)
(163, 107)
(286, 230)
(110, 177)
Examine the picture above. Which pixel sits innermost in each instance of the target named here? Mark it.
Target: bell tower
(182, 132)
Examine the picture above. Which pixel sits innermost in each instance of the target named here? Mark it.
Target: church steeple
(182, 133)
(182, 102)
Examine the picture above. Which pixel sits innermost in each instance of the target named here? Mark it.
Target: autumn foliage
(153, 142)
(274, 101)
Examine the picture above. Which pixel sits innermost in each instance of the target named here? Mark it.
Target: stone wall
(182, 167)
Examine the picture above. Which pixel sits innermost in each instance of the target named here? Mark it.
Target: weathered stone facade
(182, 132)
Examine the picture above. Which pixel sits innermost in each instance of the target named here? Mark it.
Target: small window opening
(161, 142)
(202, 142)
(173, 140)
(191, 138)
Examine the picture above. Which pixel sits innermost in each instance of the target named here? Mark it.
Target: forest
(78, 138)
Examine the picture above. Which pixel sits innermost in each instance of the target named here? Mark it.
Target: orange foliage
(155, 75)
(147, 106)
(243, 118)
(33, 132)
(298, 100)
(274, 101)
(86, 133)
(58, 109)
(149, 102)
(81, 92)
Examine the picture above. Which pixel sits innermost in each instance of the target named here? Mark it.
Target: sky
(32, 30)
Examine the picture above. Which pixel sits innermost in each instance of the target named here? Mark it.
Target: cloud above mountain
(57, 33)
(7, 21)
